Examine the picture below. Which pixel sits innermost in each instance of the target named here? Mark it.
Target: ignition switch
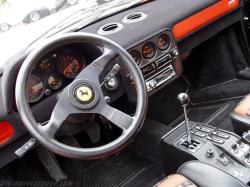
(112, 84)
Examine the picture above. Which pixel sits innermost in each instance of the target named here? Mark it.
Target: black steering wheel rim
(49, 141)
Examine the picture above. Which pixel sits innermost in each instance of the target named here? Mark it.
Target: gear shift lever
(184, 99)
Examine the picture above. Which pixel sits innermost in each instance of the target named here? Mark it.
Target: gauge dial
(149, 50)
(136, 56)
(71, 63)
(35, 88)
(46, 65)
(54, 82)
(163, 42)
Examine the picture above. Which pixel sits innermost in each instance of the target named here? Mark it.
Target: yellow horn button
(84, 94)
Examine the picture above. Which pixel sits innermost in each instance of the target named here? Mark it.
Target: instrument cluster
(53, 72)
(148, 51)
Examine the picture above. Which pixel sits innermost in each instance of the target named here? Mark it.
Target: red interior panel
(6, 131)
(202, 17)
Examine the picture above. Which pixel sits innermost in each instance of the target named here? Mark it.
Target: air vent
(134, 17)
(110, 28)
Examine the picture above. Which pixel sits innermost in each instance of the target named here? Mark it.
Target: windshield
(20, 13)
(25, 22)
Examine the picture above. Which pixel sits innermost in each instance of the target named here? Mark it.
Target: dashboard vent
(110, 28)
(134, 17)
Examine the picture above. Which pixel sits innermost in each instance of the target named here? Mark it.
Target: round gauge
(136, 56)
(46, 65)
(70, 63)
(54, 82)
(35, 88)
(163, 42)
(149, 50)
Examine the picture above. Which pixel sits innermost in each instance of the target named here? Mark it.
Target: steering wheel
(83, 95)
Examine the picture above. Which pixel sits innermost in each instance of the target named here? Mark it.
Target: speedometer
(35, 88)
(70, 63)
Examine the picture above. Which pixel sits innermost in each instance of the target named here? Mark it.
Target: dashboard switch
(112, 84)
(25, 148)
(247, 157)
(152, 83)
(223, 159)
(235, 148)
(240, 143)
(222, 155)
(210, 153)
(221, 134)
(176, 52)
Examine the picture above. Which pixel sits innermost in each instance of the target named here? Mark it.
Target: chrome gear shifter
(184, 100)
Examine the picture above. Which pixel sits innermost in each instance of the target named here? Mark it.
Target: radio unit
(159, 78)
(158, 72)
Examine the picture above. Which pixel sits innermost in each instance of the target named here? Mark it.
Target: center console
(158, 59)
(210, 145)
(197, 141)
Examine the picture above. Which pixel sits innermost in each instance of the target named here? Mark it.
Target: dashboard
(152, 46)
(54, 71)
(157, 57)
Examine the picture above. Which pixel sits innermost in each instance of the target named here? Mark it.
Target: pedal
(51, 164)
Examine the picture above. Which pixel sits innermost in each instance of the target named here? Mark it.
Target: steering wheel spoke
(92, 71)
(57, 118)
(105, 58)
(117, 117)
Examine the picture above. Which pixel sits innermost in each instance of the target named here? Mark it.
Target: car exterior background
(15, 12)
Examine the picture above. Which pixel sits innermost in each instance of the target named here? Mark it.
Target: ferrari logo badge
(84, 94)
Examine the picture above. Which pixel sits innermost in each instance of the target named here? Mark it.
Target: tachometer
(70, 63)
(35, 88)
(149, 50)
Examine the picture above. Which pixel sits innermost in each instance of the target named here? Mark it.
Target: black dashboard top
(161, 14)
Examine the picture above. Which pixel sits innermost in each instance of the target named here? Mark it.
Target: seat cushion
(176, 180)
(243, 107)
(205, 175)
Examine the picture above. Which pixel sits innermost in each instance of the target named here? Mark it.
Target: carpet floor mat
(114, 171)
(223, 91)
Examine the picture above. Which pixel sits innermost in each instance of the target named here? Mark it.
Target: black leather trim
(168, 13)
(242, 119)
(240, 123)
(205, 175)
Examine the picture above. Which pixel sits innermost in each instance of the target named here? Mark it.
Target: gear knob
(183, 98)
